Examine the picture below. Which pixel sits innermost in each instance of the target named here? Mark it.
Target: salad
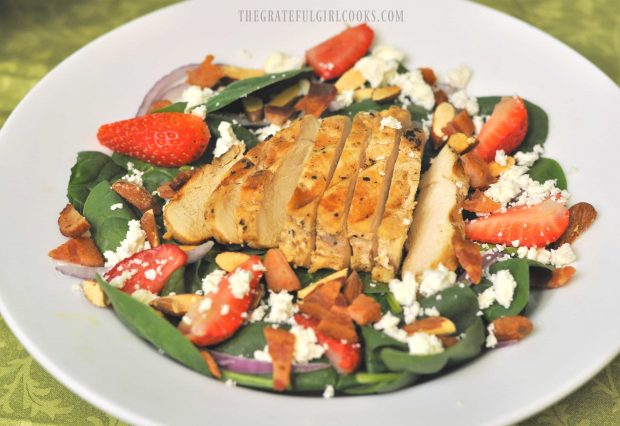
(337, 224)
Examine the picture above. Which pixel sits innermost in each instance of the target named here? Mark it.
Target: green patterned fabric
(35, 35)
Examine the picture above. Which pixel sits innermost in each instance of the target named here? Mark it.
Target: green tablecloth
(35, 35)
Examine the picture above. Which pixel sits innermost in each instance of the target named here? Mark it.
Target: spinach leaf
(374, 342)
(546, 169)
(195, 272)
(418, 113)
(372, 287)
(366, 105)
(143, 321)
(90, 168)
(108, 227)
(153, 177)
(175, 107)
(370, 383)
(538, 121)
(242, 133)
(458, 304)
(314, 381)
(244, 342)
(258, 381)
(306, 278)
(175, 283)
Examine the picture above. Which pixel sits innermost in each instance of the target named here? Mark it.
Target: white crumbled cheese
(389, 325)
(343, 100)
(134, 242)
(239, 283)
(460, 100)
(411, 312)
(515, 243)
(258, 313)
(205, 305)
(281, 307)
(391, 122)
(486, 298)
(195, 96)
(150, 274)
(426, 126)
(120, 280)
(211, 283)
(224, 309)
(404, 291)
(143, 296)
(329, 392)
(491, 341)
(262, 355)
(431, 312)
(424, 344)
(504, 286)
(281, 62)
(528, 159)
(388, 53)
(230, 383)
(501, 158)
(226, 140)
(133, 175)
(459, 77)
(116, 206)
(436, 280)
(375, 70)
(559, 257)
(563, 255)
(263, 133)
(200, 111)
(307, 347)
(414, 89)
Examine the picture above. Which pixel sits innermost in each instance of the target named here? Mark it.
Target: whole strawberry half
(169, 139)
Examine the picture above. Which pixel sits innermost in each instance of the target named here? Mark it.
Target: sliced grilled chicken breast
(298, 234)
(398, 215)
(265, 193)
(437, 216)
(332, 249)
(184, 214)
(372, 186)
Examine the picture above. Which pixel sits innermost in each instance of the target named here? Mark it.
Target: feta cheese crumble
(116, 206)
(281, 62)
(491, 340)
(143, 296)
(562, 256)
(262, 355)
(389, 325)
(414, 89)
(343, 100)
(307, 347)
(258, 313)
(239, 283)
(281, 307)
(502, 290)
(460, 100)
(226, 140)
(390, 122)
(404, 291)
(135, 241)
(436, 280)
(388, 53)
(211, 282)
(329, 392)
(459, 77)
(195, 96)
(424, 344)
(375, 70)
(133, 175)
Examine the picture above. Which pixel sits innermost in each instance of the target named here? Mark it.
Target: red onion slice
(197, 253)
(80, 271)
(172, 81)
(505, 343)
(240, 364)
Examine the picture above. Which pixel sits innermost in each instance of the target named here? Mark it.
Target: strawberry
(169, 139)
(216, 317)
(148, 269)
(345, 357)
(535, 226)
(505, 129)
(333, 57)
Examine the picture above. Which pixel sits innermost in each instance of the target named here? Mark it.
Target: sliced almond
(582, 215)
(448, 341)
(278, 115)
(461, 143)
(440, 96)
(461, 123)
(560, 277)
(428, 75)
(511, 328)
(496, 169)
(350, 80)
(71, 223)
(310, 288)
(176, 305)
(229, 260)
(95, 294)
(432, 325)
(288, 95)
(253, 107)
(149, 226)
(384, 94)
(444, 113)
(238, 73)
(212, 364)
(81, 251)
(363, 94)
(136, 195)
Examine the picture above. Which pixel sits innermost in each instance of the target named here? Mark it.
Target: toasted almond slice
(237, 73)
(71, 223)
(477, 170)
(431, 325)
(364, 310)
(136, 195)
(229, 260)
(253, 106)
(168, 189)
(444, 113)
(288, 95)
(82, 251)
(511, 328)
(350, 80)
(581, 217)
(278, 115)
(310, 288)
(469, 257)
(212, 364)
(461, 143)
(448, 341)
(561, 276)
(363, 94)
(440, 96)
(258, 296)
(149, 226)
(353, 287)
(461, 123)
(497, 170)
(428, 75)
(95, 294)
(384, 94)
(176, 305)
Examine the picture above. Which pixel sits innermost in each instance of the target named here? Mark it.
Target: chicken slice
(184, 214)
(437, 216)
(298, 234)
(332, 249)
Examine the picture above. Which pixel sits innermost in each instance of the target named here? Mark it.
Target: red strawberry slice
(345, 357)
(216, 317)
(169, 139)
(148, 269)
(535, 226)
(333, 57)
(505, 129)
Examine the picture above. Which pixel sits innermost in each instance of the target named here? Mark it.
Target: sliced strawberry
(505, 129)
(333, 57)
(148, 269)
(535, 226)
(345, 357)
(216, 317)
(168, 139)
